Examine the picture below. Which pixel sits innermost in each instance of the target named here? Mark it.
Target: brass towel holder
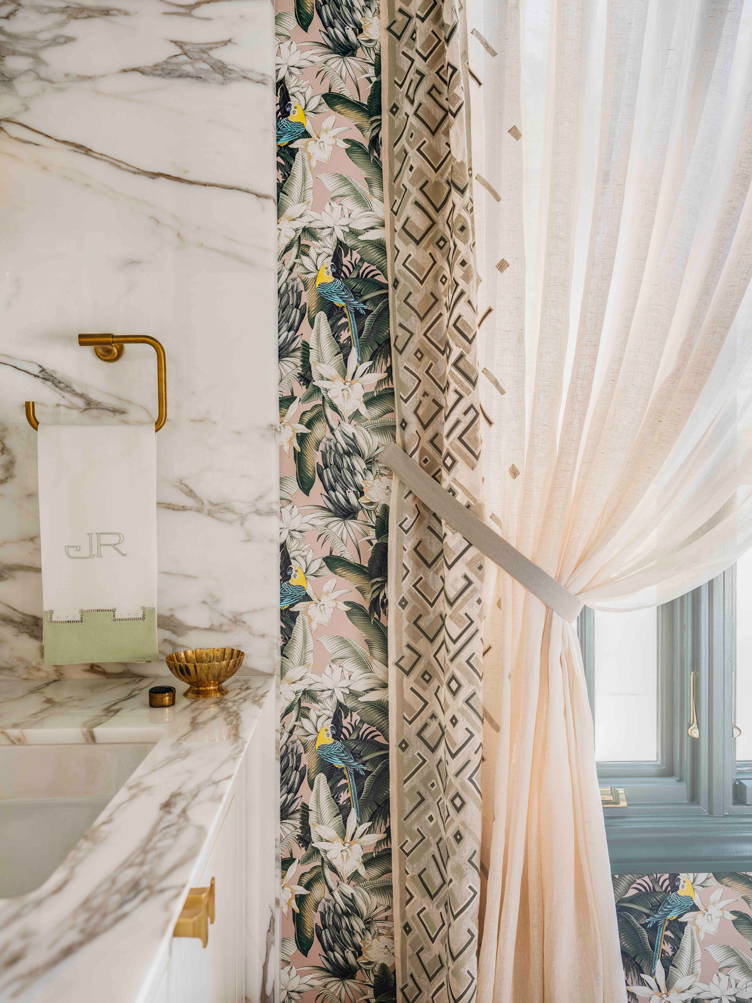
(110, 348)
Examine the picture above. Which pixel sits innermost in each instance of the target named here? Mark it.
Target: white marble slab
(84, 711)
(137, 197)
(93, 929)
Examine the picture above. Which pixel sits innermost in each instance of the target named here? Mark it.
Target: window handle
(693, 731)
(613, 797)
(735, 729)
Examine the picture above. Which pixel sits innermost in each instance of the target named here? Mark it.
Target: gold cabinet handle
(693, 731)
(197, 913)
(736, 730)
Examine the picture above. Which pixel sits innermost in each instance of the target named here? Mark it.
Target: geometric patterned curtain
(436, 578)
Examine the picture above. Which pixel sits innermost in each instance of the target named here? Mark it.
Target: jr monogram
(95, 551)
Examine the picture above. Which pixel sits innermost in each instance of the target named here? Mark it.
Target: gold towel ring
(110, 348)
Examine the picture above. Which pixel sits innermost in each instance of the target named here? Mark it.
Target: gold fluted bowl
(205, 669)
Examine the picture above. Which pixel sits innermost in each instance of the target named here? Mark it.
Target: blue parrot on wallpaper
(337, 753)
(293, 127)
(673, 906)
(338, 293)
(293, 591)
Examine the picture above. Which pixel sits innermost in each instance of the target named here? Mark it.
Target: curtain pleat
(613, 275)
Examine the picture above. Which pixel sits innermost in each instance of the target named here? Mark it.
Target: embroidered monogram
(100, 545)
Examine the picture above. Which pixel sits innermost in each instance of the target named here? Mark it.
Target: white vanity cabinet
(187, 972)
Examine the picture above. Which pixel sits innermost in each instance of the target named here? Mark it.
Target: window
(673, 727)
(626, 695)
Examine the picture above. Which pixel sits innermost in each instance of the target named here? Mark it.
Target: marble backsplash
(137, 197)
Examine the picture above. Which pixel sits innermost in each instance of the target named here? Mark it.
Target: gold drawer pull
(197, 913)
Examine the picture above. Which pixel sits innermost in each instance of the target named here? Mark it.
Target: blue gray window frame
(682, 813)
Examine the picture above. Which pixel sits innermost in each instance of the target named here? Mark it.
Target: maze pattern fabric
(436, 579)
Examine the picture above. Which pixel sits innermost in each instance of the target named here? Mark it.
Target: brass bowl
(205, 669)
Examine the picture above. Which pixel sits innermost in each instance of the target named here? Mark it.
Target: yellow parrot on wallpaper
(293, 127)
(294, 590)
(675, 905)
(337, 753)
(338, 293)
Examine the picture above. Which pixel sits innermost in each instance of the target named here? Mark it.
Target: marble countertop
(94, 927)
(76, 711)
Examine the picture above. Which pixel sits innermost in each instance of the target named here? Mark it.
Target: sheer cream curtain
(612, 158)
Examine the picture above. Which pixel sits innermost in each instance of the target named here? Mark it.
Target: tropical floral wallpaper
(686, 936)
(683, 936)
(336, 409)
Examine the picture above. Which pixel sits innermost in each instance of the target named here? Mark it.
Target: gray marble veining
(92, 930)
(137, 196)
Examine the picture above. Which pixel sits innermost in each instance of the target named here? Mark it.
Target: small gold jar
(205, 669)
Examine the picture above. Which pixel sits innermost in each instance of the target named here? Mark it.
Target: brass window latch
(613, 797)
(197, 913)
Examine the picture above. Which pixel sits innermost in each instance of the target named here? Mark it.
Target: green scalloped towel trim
(99, 637)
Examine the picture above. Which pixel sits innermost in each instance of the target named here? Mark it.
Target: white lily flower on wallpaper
(308, 727)
(347, 853)
(708, 919)
(302, 93)
(321, 146)
(291, 222)
(292, 984)
(372, 686)
(320, 610)
(295, 680)
(347, 391)
(293, 524)
(724, 989)
(656, 991)
(303, 557)
(703, 879)
(377, 949)
(334, 682)
(290, 889)
(289, 430)
(370, 223)
(290, 61)
(371, 29)
(377, 488)
(334, 221)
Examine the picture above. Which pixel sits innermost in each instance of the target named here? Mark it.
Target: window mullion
(680, 672)
(714, 748)
(700, 746)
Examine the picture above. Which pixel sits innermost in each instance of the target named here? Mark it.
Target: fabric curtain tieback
(475, 531)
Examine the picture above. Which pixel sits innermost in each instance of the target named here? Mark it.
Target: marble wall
(137, 197)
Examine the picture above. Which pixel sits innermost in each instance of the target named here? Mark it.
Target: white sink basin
(49, 796)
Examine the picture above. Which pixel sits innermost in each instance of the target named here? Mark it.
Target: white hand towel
(97, 508)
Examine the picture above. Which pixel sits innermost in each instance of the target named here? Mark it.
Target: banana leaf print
(336, 403)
